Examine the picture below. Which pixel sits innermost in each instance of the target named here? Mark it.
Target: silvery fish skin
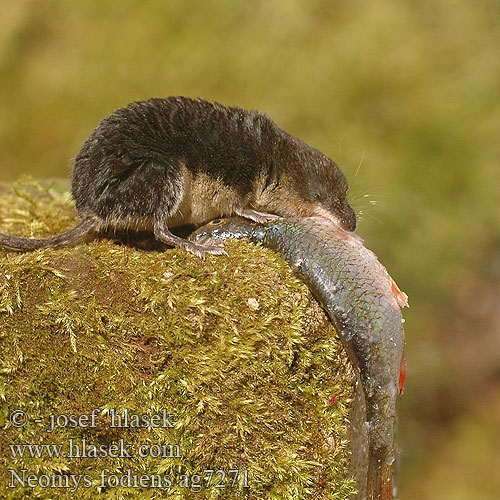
(362, 301)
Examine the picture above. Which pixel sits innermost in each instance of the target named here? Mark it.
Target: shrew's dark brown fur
(161, 163)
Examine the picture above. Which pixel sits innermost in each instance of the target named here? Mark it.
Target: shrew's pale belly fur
(204, 199)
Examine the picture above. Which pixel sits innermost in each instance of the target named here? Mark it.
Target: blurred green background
(405, 93)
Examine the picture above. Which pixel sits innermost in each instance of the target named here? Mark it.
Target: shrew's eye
(316, 196)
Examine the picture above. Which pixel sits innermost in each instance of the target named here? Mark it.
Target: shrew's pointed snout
(348, 219)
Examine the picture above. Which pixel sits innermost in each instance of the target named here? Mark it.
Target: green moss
(108, 326)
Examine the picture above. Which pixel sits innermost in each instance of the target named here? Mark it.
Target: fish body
(364, 304)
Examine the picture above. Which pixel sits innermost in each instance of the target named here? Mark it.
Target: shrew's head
(302, 181)
(324, 187)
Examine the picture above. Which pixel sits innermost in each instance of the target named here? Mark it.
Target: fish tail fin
(379, 483)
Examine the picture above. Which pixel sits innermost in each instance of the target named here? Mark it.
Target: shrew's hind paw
(199, 248)
(207, 240)
(204, 246)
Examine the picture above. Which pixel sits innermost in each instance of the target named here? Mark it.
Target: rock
(260, 395)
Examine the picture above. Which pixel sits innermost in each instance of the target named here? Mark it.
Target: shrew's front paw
(259, 217)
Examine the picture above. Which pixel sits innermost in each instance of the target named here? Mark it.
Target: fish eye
(216, 222)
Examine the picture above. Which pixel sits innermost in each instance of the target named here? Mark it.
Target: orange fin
(402, 374)
(401, 297)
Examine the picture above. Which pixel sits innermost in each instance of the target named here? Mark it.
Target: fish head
(223, 228)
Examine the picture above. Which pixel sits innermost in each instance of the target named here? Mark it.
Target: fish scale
(364, 304)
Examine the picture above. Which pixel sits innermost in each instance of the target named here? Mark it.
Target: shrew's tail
(379, 481)
(66, 239)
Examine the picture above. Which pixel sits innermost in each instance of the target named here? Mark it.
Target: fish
(364, 304)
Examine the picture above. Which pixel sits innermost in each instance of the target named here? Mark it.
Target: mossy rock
(234, 348)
